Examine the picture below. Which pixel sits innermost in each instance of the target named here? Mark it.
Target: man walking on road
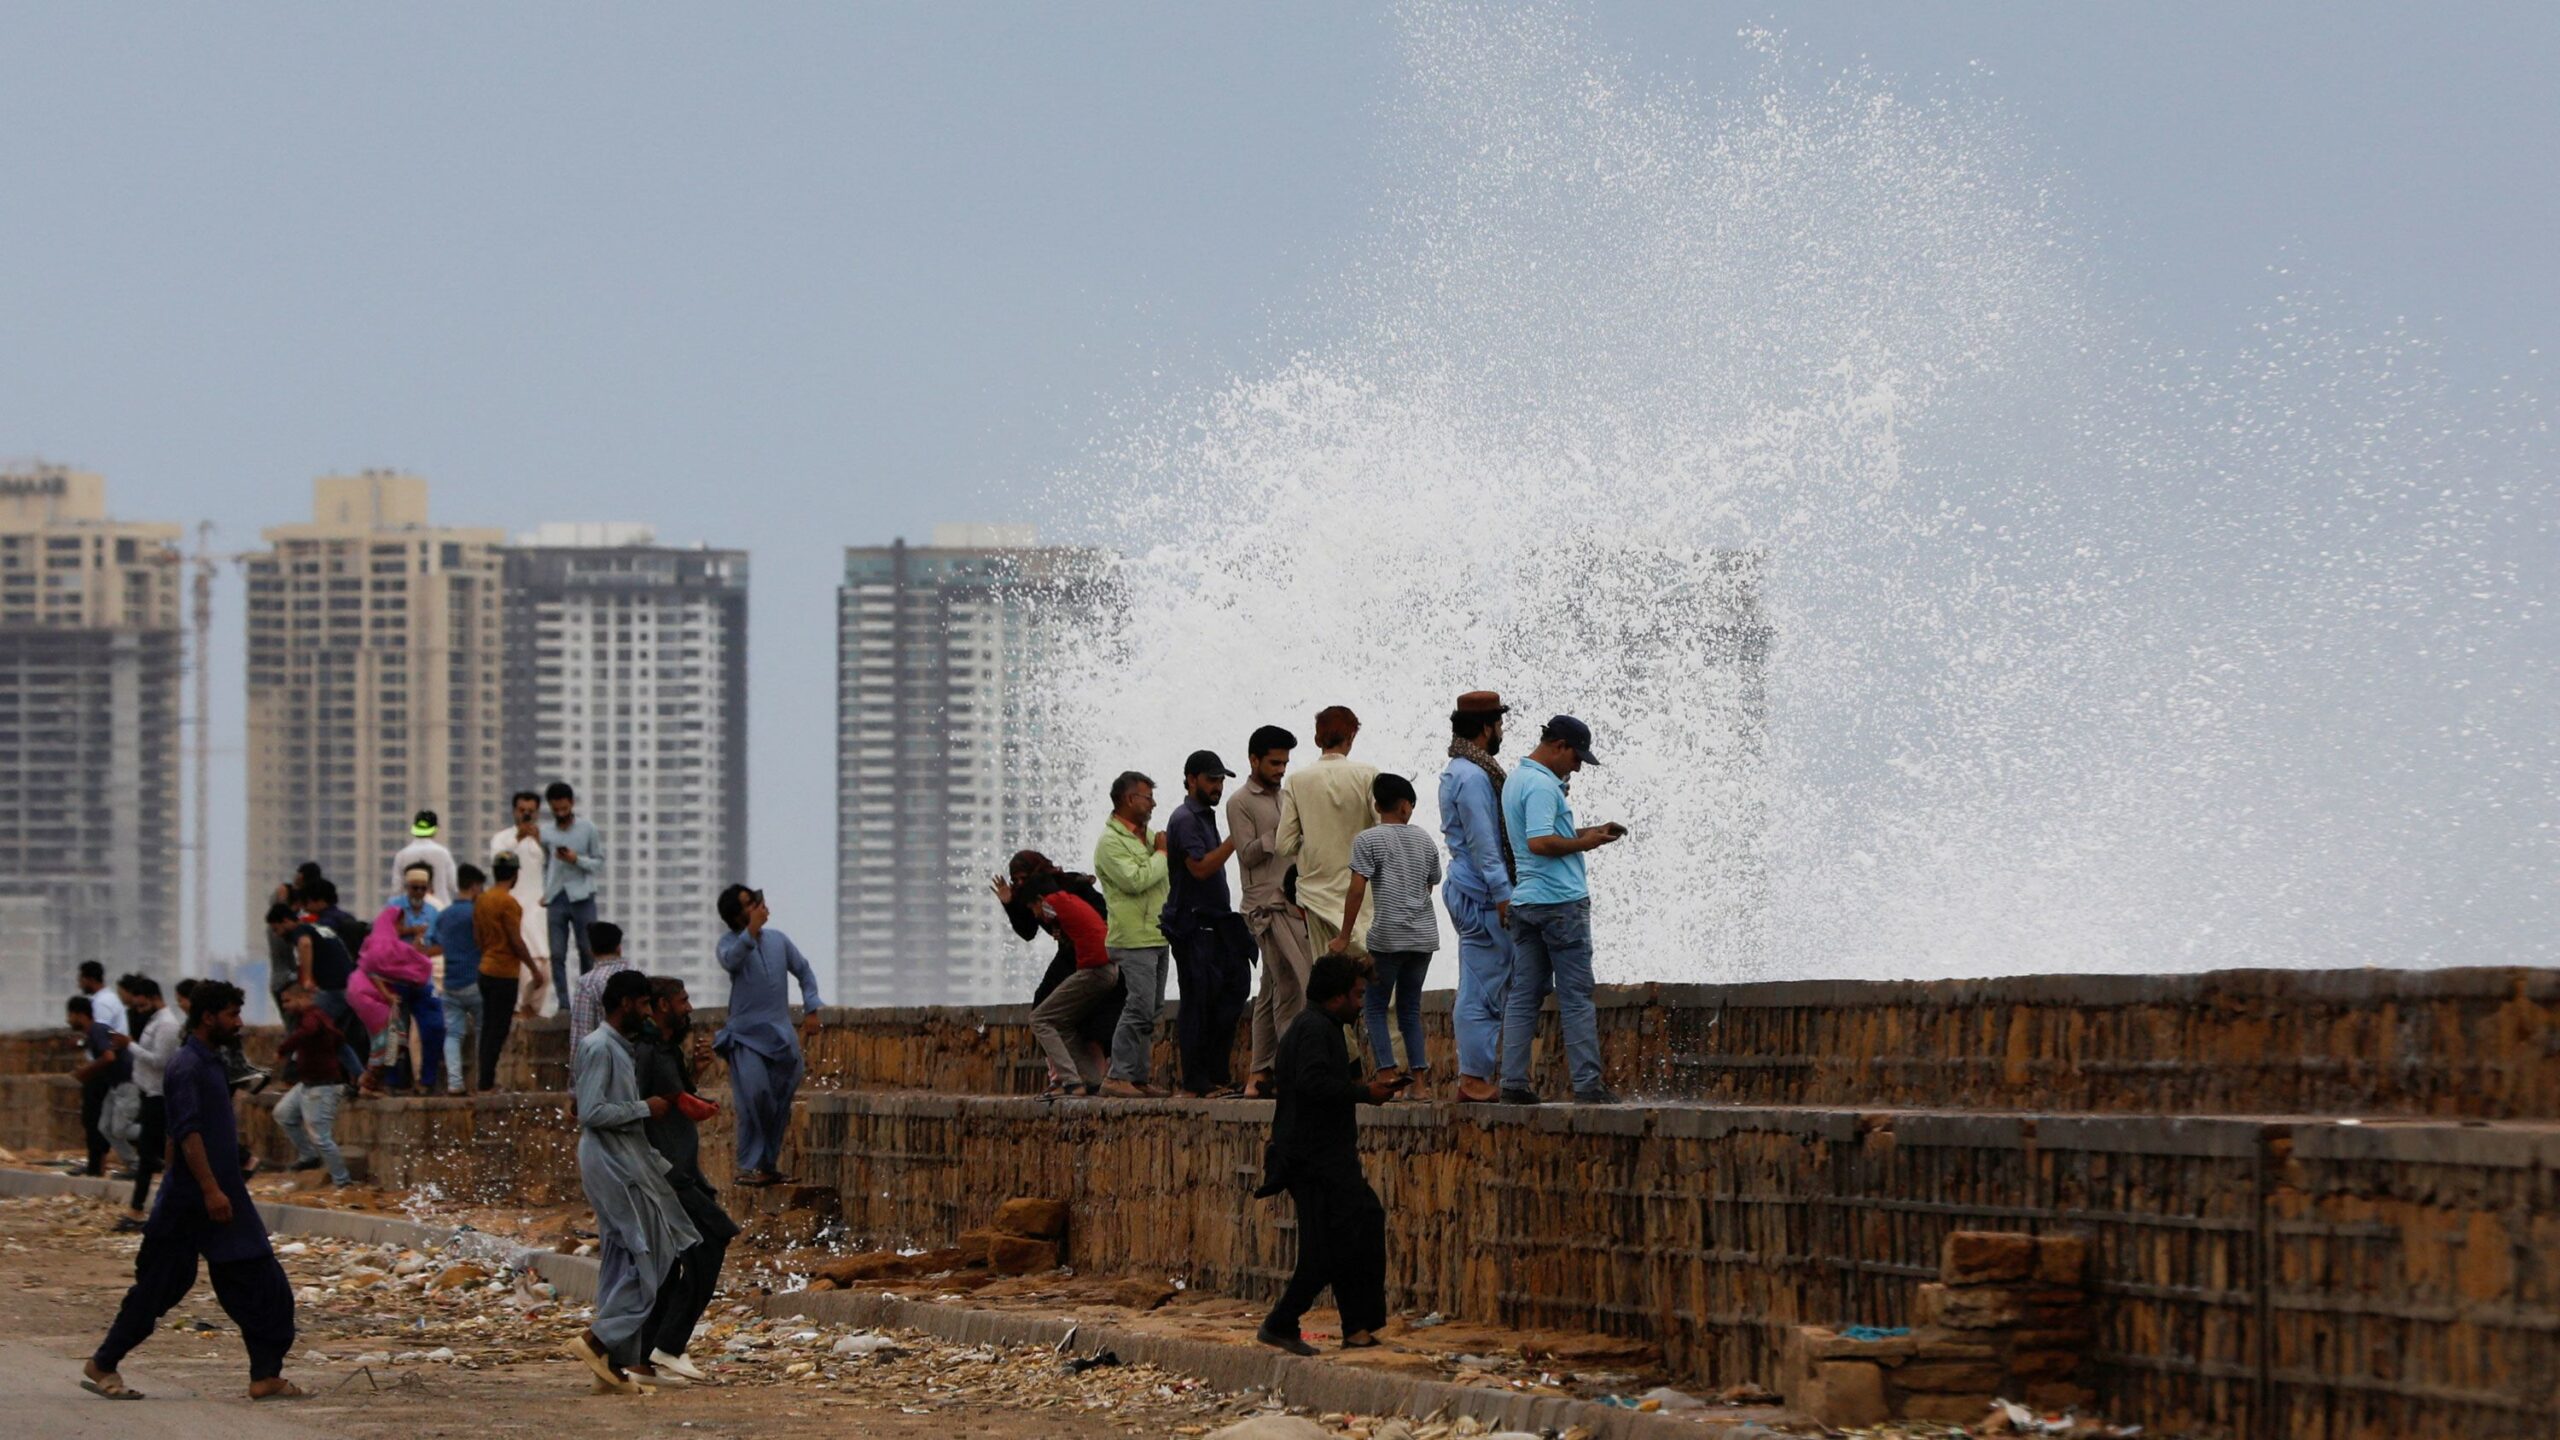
(1551, 914)
(1212, 949)
(671, 1052)
(640, 1224)
(1478, 890)
(1129, 863)
(204, 1217)
(1323, 808)
(759, 1043)
(1314, 1154)
(1253, 822)
(574, 857)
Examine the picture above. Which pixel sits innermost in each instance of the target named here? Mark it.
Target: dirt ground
(367, 1343)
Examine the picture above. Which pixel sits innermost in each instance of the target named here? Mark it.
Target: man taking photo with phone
(1551, 914)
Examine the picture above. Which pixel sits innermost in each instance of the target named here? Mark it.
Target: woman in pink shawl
(394, 969)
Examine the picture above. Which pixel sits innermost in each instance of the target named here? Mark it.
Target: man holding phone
(575, 857)
(1551, 914)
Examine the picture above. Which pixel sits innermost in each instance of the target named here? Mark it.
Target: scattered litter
(1092, 1362)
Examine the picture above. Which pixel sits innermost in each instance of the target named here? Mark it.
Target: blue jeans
(308, 1115)
(1399, 971)
(565, 917)
(462, 1016)
(1551, 950)
(1484, 975)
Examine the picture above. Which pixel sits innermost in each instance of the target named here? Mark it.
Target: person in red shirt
(1079, 929)
(308, 1113)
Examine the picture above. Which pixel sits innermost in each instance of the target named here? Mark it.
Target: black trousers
(93, 1107)
(1342, 1242)
(686, 1294)
(154, 1146)
(253, 1292)
(1214, 963)
(497, 1017)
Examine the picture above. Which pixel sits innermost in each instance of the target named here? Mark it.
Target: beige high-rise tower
(375, 640)
(89, 674)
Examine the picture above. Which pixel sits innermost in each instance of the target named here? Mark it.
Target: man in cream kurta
(1322, 808)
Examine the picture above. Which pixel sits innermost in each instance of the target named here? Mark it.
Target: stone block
(975, 1244)
(816, 1199)
(1965, 1377)
(2025, 1365)
(1032, 1218)
(2051, 1395)
(2062, 1259)
(1844, 1394)
(1016, 1255)
(2059, 1337)
(1984, 1308)
(1948, 1409)
(1940, 1345)
(1139, 1293)
(1987, 1257)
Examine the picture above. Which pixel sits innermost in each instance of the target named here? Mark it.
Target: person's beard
(628, 1023)
(1493, 741)
(677, 1026)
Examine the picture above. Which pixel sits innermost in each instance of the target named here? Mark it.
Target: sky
(793, 277)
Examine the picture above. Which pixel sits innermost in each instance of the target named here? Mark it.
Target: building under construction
(374, 650)
(90, 666)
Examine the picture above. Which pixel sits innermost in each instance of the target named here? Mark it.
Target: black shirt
(331, 965)
(665, 1070)
(1316, 1125)
(1190, 835)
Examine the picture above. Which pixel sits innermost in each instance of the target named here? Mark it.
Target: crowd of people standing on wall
(1336, 906)
(1329, 862)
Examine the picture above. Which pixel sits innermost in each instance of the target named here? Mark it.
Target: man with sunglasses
(759, 1042)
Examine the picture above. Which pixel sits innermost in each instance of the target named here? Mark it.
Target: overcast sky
(794, 277)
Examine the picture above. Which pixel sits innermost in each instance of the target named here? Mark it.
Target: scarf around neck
(1482, 759)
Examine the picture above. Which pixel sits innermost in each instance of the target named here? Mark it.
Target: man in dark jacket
(669, 1058)
(1034, 876)
(1315, 1155)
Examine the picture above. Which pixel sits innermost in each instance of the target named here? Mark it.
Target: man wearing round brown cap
(1477, 889)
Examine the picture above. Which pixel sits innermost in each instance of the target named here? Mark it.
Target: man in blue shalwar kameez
(759, 1043)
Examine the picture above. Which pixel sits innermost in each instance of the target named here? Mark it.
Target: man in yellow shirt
(1322, 808)
(1129, 865)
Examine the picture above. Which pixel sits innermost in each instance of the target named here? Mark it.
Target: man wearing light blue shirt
(1478, 888)
(1551, 914)
(759, 1042)
(574, 857)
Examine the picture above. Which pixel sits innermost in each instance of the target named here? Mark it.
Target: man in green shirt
(1128, 862)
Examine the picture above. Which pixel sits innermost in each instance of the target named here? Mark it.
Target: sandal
(287, 1391)
(111, 1388)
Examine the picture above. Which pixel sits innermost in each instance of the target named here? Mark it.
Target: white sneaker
(677, 1368)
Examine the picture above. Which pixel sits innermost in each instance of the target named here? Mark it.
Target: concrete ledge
(1315, 1384)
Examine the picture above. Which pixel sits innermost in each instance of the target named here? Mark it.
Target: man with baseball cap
(1212, 948)
(425, 849)
(1478, 888)
(1551, 914)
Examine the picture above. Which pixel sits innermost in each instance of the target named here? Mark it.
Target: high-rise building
(90, 661)
(374, 692)
(944, 747)
(627, 677)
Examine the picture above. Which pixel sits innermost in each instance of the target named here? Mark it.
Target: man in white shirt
(157, 1035)
(425, 849)
(104, 1007)
(1323, 807)
(523, 840)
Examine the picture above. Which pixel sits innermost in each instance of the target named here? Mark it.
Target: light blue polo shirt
(1534, 804)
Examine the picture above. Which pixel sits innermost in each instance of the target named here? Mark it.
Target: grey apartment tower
(948, 755)
(90, 665)
(627, 677)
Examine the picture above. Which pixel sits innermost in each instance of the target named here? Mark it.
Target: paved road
(191, 1393)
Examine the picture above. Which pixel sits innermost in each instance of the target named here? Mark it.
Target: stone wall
(2478, 1043)
(2250, 1278)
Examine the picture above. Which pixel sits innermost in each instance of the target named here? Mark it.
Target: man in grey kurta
(643, 1224)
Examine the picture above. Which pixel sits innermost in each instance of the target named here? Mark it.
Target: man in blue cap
(1551, 914)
